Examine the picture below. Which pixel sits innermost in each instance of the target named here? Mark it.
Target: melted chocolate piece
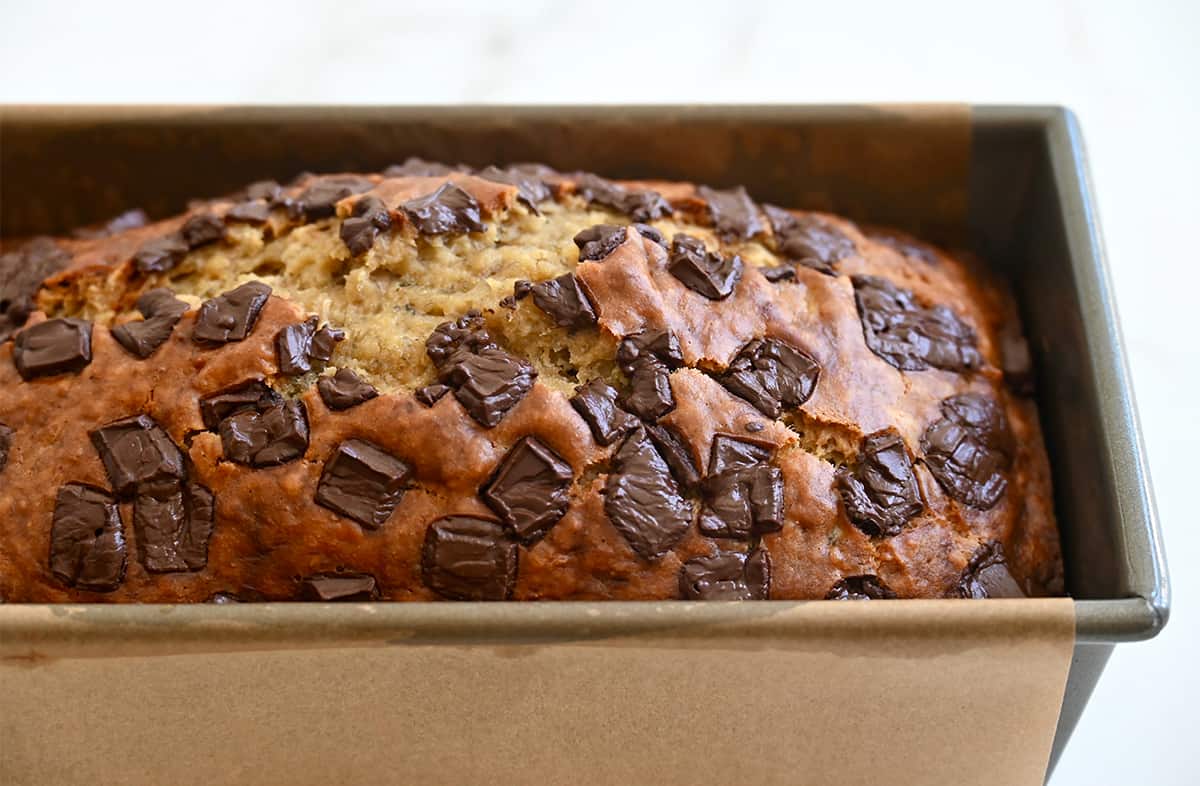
(969, 449)
(701, 270)
(253, 396)
(6, 437)
(733, 212)
(910, 336)
(596, 403)
(486, 380)
(267, 190)
(648, 357)
(202, 229)
(161, 254)
(676, 454)
(298, 346)
(419, 167)
(531, 189)
(661, 344)
(21, 275)
(864, 587)
(565, 300)
(173, 523)
(531, 489)
(642, 499)
(465, 334)
(642, 205)
(130, 219)
(231, 316)
(727, 575)
(320, 199)
(469, 558)
(810, 241)
(597, 242)
(431, 394)
(87, 546)
(253, 211)
(881, 494)
(521, 288)
(449, 209)
(987, 576)
(56, 346)
(369, 218)
(161, 311)
(743, 494)
(362, 482)
(772, 376)
(778, 273)
(730, 453)
(344, 390)
(343, 587)
(138, 454)
(274, 436)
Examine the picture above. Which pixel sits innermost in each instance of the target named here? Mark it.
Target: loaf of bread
(511, 384)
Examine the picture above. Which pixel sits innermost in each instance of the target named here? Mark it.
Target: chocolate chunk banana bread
(511, 384)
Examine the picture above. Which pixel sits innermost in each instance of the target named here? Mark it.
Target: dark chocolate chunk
(431, 394)
(778, 273)
(809, 240)
(274, 436)
(56, 346)
(173, 523)
(743, 494)
(642, 499)
(650, 233)
(640, 205)
(727, 575)
(161, 254)
(6, 437)
(531, 189)
(734, 213)
(596, 243)
(909, 335)
(267, 190)
(987, 575)
(87, 546)
(1016, 362)
(864, 587)
(649, 395)
(253, 211)
(363, 483)
(161, 311)
(661, 344)
(21, 275)
(906, 245)
(344, 390)
(320, 199)
(565, 300)
(676, 454)
(449, 209)
(231, 316)
(369, 218)
(253, 396)
(137, 453)
(298, 346)
(701, 270)
(969, 449)
(530, 490)
(469, 558)
(130, 219)
(521, 288)
(486, 380)
(881, 494)
(202, 229)
(596, 403)
(344, 587)
(419, 167)
(730, 453)
(772, 376)
(465, 334)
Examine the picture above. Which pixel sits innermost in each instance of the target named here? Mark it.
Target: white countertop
(1129, 70)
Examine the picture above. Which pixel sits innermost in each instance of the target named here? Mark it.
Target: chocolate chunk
(320, 199)
(596, 403)
(267, 190)
(274, 436)
(864, 587)
(649, 394)
(1016, 362)
(202, 229)
(531, 189)
(772, 376)
(881, 494)
(987, 575)
(486, 380)
(369, 218)
(449, 209)
(343, 587)
(130, 219)
(253, 396)
(642, 499)
(596, 243)
(465, 334)
(344, 390)
(906, 245)
(650, 233)
(778, 273)
(56, 346)
(231, 316)
(734, 213)
(161, 254)
(701, 270)
(253, 211)
(419, 167)
(743, 494)
(530, 490)
(522, 288)
(641, 205)
(137, 453)
(660, 344)
(298, 346)
(565, 300)
(21, 275)
(173, 523)
(676, 454)
(431, 394)
(6, 437)
(469, 558)
(809, 240)
(161, 311)
(362, 482)
(731, 453)
(727, 575)
(87, 546)
(909, 335)
(969, 449)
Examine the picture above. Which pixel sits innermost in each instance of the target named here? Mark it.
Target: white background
(1130, 71)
